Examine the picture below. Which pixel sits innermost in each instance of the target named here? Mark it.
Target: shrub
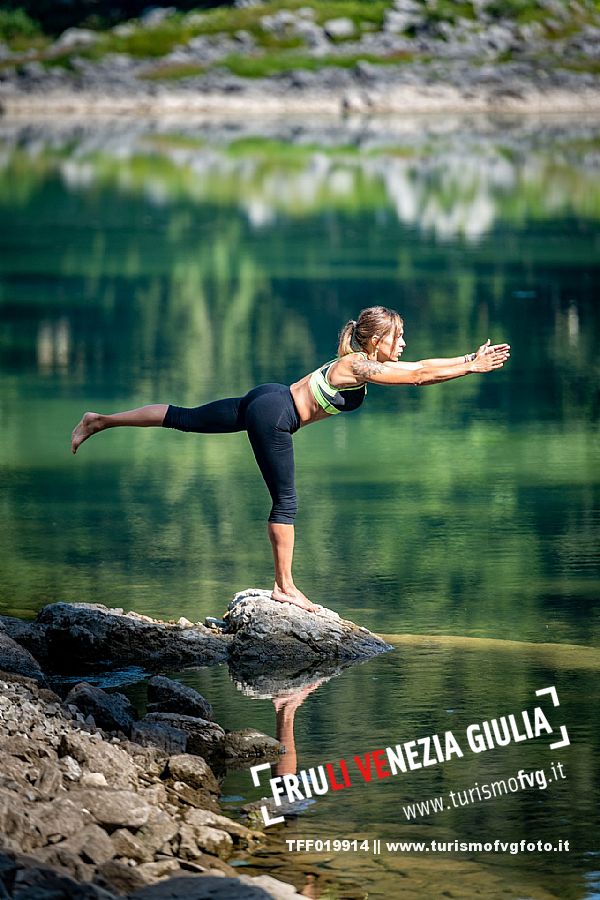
(15, 23)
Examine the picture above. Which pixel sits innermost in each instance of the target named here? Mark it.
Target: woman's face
(391, 345)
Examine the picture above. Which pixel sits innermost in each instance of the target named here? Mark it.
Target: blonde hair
(374, 320)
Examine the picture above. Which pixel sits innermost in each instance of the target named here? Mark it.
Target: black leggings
(269, 415)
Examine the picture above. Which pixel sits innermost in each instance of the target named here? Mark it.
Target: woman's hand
(490, 356)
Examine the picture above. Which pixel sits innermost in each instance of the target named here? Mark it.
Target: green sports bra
(335, 400)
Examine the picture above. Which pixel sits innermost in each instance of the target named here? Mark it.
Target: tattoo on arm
(365, 368)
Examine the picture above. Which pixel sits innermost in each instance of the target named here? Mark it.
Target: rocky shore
(419, 58)
(86, 812)
(96, 802)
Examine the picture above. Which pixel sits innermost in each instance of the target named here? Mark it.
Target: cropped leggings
(269, 415)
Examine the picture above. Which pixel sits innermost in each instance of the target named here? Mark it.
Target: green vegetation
(272, 64)
(20, 32)
(282, 49)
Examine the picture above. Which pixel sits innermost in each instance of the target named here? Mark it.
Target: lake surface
(182, 263)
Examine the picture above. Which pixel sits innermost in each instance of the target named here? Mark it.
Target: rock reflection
(53, 345)
(450, 183)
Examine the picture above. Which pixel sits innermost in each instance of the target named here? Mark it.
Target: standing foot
(294, 596)
(89, 425)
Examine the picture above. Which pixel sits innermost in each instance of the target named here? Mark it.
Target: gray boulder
(192, 770)
(15, 658)
(91, 636)
(113, 808)
(165, 737)
(156, 15)
(251, 744)
(204, 738)
(273, 633)
(339, 29)
(208, 887)
(166, 695)
(27, 879)
(113, 712)
(81, 754)
(76, 37)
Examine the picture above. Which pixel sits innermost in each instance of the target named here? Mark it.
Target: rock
(240, 835)
(154, 871)
(70, 768)
(166, 695)
(124, 29)
(157, 832)
(98, 757)
(206, 839)
(92, 844)
(398, 22)
(208, 887)
(312, 35)
(119, 877)
(339, 29)
(55, 820)
(76, 37)
(165, 737)
(49, 780)
(13, 820)
(113, 809)
(130, 846)
(15, 658)
(93, 780)
(276, 889)
(113, 712)
(33, 881)
(251, 744)
(84, 636)
(156, 15)
(192, 770)
(273, 633)
(204, 737)
(279, 24)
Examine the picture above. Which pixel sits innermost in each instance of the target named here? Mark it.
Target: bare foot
(89, 425)
(292, 595)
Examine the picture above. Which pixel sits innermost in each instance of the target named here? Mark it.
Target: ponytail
(345, 340)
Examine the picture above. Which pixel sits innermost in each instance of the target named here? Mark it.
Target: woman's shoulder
(345, 367)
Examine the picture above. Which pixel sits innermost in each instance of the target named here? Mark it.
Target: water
(178, 264)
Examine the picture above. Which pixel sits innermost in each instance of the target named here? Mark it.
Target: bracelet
(469, 357)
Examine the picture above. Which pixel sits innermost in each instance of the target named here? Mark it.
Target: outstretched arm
(468, 357)
(425, 372)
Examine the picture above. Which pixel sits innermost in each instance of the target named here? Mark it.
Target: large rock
(204, 738)
(113, 809)
(272, 633)
(192, 770)
(208, 887)
(166, 695)
(80, 750)
(83, 636)
(26, 879)
(240, 835)
(160, 735)
(28, 635)
(15, 658)
(250, 744)
(113, 712)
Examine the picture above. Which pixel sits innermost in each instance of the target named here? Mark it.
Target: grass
(280, 52)
(264, 65)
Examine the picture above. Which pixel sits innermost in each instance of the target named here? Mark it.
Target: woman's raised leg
(92, 423)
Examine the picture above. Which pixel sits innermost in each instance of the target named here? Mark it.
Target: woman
(368, 353)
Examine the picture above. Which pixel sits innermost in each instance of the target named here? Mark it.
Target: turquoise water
(178, 267)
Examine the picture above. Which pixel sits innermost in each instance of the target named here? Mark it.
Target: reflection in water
(53, 344)
(188, 263)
